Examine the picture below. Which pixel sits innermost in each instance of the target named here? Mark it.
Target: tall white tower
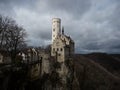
(56, 27)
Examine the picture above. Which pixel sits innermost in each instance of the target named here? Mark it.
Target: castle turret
(63, 46)
(56, 27)
(63, 30)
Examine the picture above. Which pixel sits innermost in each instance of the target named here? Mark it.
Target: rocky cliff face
(82, 72)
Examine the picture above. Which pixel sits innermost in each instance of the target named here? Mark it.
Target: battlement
(56, 20)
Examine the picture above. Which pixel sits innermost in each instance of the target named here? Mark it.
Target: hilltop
(97, 71)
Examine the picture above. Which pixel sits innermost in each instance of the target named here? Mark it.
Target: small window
(57, 49)
(59, 54)
(61, 49)
(53, 29)
(53, 49)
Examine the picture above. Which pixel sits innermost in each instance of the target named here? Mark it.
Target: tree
(12, 36)
(4, 25)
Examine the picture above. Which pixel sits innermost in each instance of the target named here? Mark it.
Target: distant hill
(97, 71)
(111, 62)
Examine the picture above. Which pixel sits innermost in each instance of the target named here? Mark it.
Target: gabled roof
(64, 39)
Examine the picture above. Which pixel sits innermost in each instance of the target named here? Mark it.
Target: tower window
(59, 54)
(53, 49)
(61, 49)
(53, 29)
(57, 49)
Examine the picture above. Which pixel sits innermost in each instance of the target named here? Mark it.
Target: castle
(62, 45)
(53, 71)
(62, 48)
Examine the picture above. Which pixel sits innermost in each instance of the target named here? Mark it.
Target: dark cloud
(73, 7)
(7, 6)
(93, 24)
(43, 35)
(17, 2)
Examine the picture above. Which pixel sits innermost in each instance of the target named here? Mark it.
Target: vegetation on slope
(110, 62)
(92, 76)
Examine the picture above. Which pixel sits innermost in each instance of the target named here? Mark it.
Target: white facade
(56, 27)
(62, 45)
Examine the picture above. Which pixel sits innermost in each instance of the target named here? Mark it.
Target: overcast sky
(94, 25)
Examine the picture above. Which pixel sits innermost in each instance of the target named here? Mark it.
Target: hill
(93, 74)
(111, 62)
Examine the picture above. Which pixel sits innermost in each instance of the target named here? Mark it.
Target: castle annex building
(62, 45)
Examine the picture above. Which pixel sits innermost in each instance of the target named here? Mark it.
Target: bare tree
(12, 36)
(3, 28)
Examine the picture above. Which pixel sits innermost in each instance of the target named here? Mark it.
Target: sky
(94, 25)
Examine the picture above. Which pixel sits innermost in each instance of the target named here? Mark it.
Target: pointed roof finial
(63, 30)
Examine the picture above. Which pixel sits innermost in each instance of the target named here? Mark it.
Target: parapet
(56, 20)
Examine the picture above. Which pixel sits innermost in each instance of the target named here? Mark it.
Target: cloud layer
(93, 24)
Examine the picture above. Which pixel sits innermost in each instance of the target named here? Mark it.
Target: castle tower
(63, 46)
(56, 27)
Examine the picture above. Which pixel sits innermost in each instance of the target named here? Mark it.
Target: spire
(63, 30)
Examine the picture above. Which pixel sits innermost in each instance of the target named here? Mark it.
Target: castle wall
(45, 62)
